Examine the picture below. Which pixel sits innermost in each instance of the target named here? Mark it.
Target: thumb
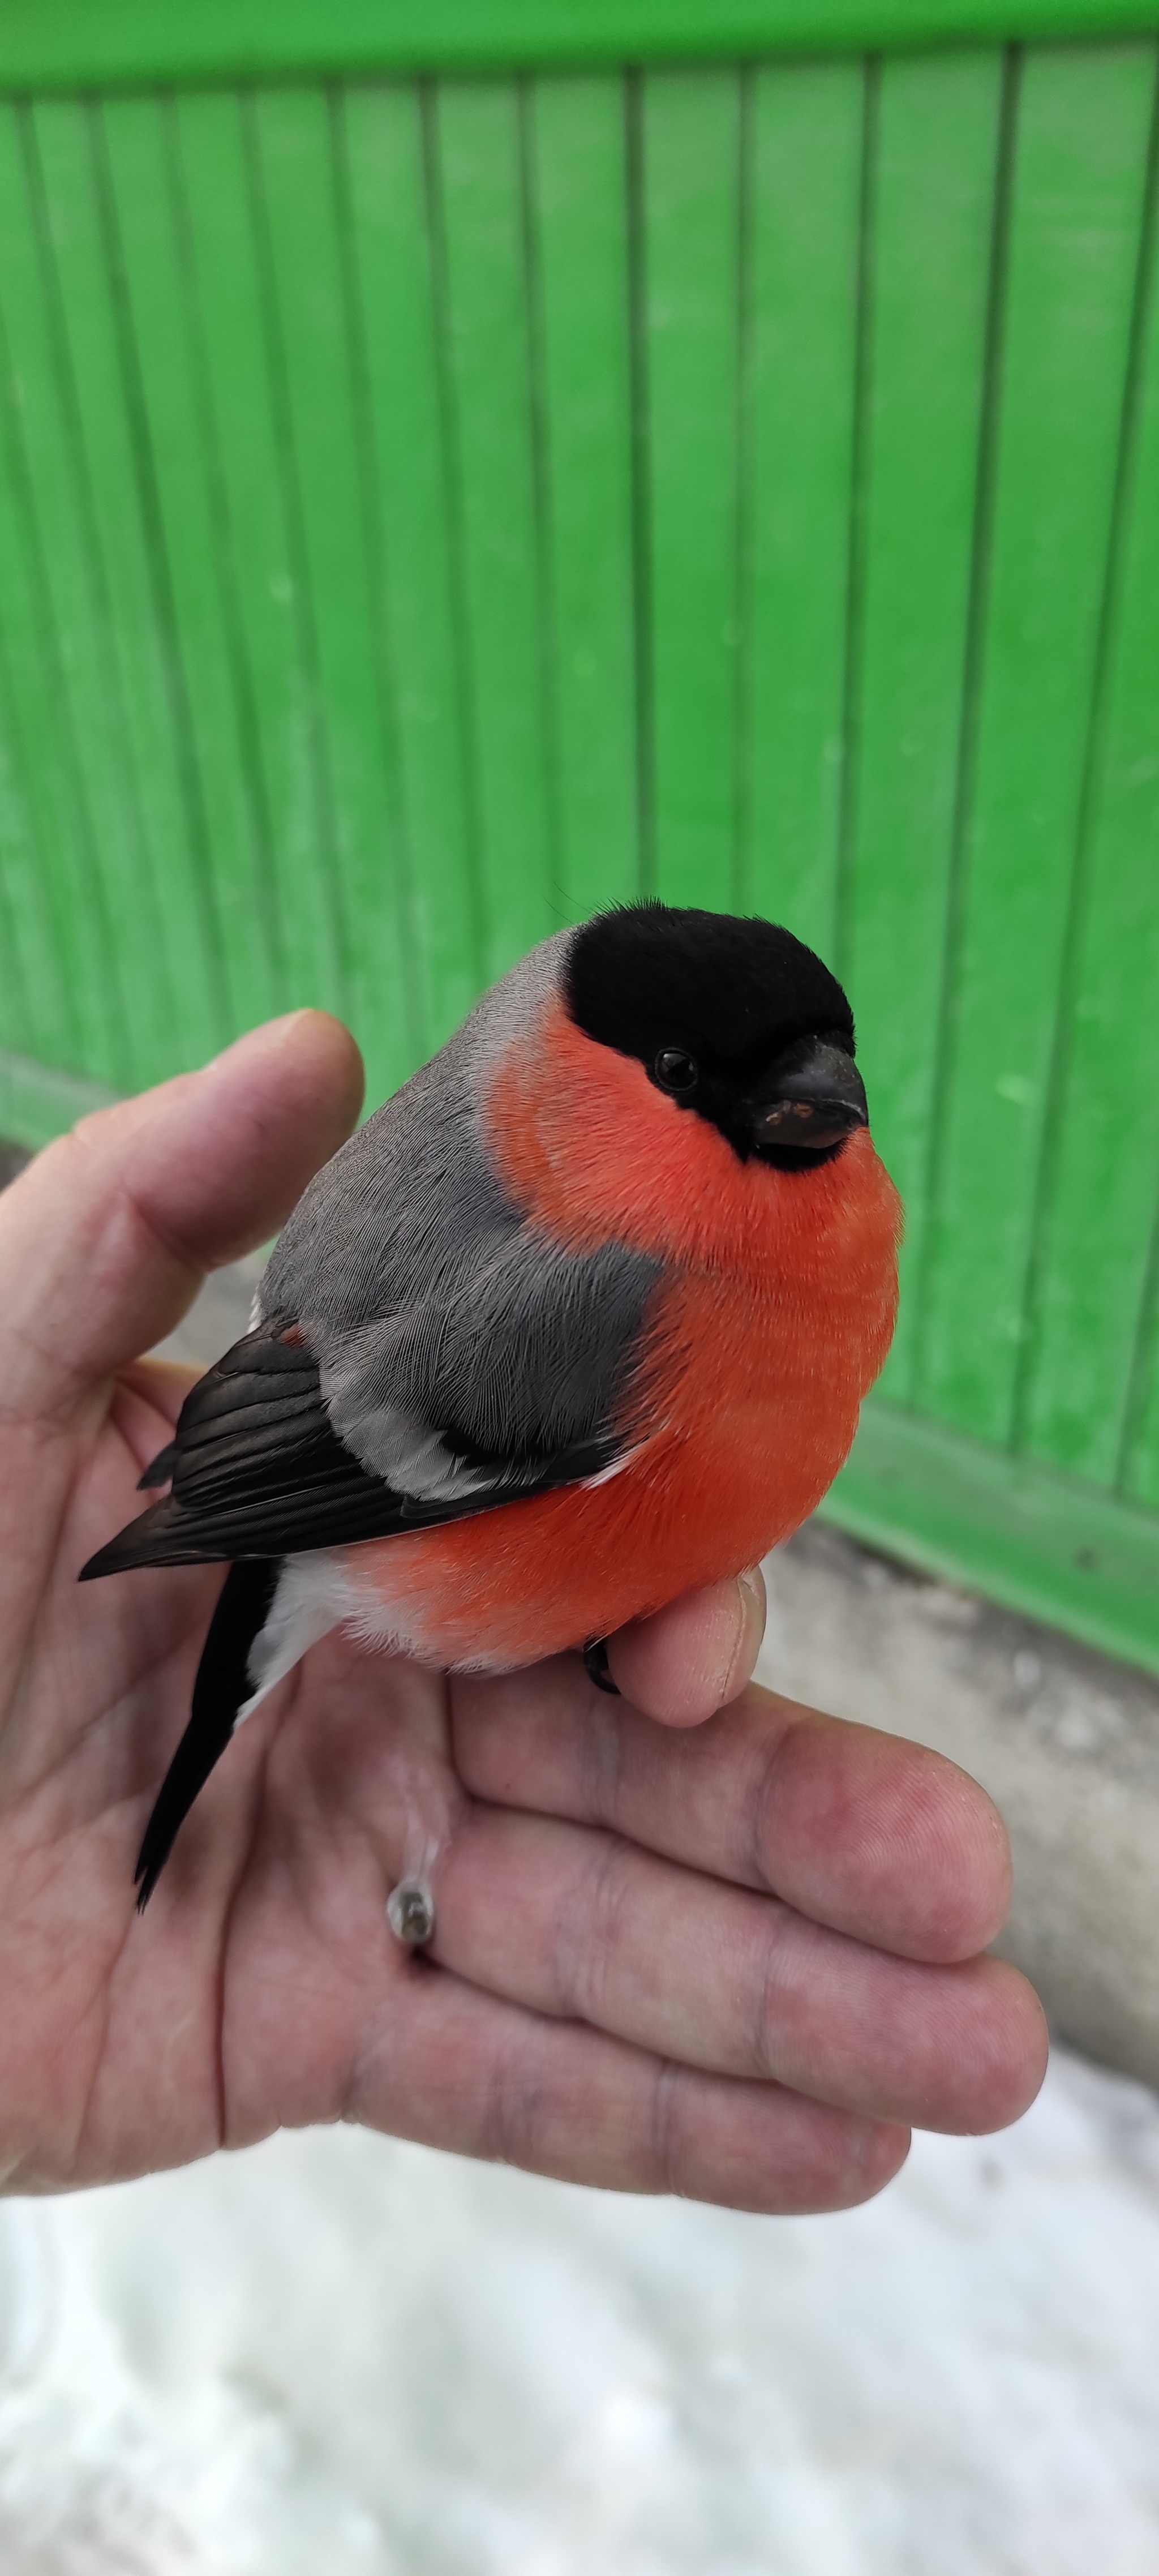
(105, 1238)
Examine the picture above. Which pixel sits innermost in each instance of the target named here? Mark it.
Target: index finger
(693, 1657)
(875, 1837)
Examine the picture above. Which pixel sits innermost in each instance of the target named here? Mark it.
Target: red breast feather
(773, 1318)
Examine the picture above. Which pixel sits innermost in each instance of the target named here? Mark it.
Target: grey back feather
(458, 1347)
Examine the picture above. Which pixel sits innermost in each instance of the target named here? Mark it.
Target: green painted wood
(928, 275)
(22, 943)
(179, 489)
(579, 233)
(1125, 917)
(132, 42)
(1077, 190)
(239, 426)
(689, 206)
(1090, 1331)
(32, 997)
(1039, 1542)
(64, 708)
(35, 996)
(153, 863)
(497, 507)
(405, 489)
(1139, 1462)
(335, 560)
(38, 1103)
(803, 137)
(36, 771)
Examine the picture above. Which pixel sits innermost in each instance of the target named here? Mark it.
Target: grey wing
(429, 1417)
(458, 1348)
(420, 1352)
(517, 1381)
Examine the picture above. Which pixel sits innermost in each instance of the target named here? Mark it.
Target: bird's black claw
(596, 1666)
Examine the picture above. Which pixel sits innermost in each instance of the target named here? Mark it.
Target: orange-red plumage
(581, 1320)
(773, 1320)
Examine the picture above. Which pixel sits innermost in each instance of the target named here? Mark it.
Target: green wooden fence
(466, 461)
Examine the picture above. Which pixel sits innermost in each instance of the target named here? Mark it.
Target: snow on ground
(334, 2353)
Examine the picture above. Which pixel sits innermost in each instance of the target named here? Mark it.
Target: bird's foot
(595, 1656)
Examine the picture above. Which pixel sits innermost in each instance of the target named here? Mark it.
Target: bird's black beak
(812, 1101)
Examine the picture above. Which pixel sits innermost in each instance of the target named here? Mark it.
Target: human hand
(732, 1959)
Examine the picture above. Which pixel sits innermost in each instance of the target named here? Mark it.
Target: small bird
(579, 1321)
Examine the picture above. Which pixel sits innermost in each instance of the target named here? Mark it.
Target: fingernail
(266, 1030)
(753, 1611)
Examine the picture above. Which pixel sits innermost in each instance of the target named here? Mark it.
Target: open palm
(732, 1958)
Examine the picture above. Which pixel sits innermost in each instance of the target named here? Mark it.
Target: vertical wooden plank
(1077, 189)
(35, 1017)
(152, 869)
(229, 325)
(42, 830)
(804, 186)
(28, 1022)
(1099, 1217)
(392, 258)
(581, 233)
(1138, 1466)
(927, 296)
(481, 171)
(323, 464)
(691, 213)
(64, 679)
(180, 464)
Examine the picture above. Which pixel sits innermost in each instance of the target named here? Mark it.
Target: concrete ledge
(219, 1315)
(1065, 1741)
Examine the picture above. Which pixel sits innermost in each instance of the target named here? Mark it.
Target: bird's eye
(675, 1071)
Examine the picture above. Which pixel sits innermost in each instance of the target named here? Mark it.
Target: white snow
(338, 2356)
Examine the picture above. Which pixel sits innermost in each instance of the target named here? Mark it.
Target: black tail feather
(221, 1685)
(154, 1538)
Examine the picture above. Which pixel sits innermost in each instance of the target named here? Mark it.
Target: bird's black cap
(734, 1017)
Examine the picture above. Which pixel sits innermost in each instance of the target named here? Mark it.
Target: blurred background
(459, 466)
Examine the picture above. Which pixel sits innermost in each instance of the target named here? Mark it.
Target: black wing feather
(159, 1469)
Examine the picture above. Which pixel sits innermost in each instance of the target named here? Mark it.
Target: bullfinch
(579, 1321)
